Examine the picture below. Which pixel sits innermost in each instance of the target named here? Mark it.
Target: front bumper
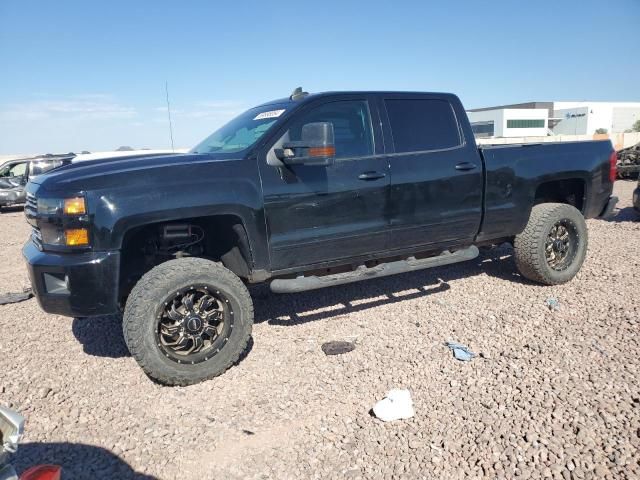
(636, 198)
(74, 284)
(608, 209)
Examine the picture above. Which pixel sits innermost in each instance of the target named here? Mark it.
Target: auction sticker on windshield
(270, 114)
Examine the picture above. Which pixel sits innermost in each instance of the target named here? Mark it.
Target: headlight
(61, 221)
(49, 206)
(67, 206)
(76, 237)
(59, 235)
(52, 234)
(74, 206)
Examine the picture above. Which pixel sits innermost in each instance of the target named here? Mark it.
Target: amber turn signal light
(322, 151)
(75, 237)
(74, 206)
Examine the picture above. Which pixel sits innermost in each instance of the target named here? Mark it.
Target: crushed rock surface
(554, 393)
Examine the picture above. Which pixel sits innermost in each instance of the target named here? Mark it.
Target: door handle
(464, 166)
(371, 175)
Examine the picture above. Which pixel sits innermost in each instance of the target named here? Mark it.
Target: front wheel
(553, 245)
(187, 320)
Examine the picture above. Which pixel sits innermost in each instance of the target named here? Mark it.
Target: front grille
(31, 212)
(31, 206)
(36, 236)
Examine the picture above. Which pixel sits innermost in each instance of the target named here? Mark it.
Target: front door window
(351, 127)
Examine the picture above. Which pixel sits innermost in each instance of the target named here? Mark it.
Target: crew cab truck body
(303, 192)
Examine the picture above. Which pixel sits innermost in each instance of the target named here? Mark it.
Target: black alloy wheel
(194, 324)
(561, 245)
(553, 245)
(187, 320)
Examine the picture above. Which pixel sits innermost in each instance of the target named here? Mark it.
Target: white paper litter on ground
(397, 405)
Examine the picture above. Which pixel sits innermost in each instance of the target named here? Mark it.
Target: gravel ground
(555, 394)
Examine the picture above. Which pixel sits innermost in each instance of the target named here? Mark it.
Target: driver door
(318, 214)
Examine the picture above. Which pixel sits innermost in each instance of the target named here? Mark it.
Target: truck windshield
(241, 132)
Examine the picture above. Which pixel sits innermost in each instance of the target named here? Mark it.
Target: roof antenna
(166, 89)
(298, 94)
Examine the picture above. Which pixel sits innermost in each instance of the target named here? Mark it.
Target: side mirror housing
(316, 146)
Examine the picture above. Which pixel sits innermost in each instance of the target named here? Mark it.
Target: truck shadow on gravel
(626, 214)
(78, 461)
(299, 308)
(102, 336)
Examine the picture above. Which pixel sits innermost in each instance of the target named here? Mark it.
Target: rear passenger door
(436, 176)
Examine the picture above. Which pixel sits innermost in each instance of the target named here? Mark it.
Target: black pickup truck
(304, 192)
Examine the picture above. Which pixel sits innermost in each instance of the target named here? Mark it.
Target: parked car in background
(13, 178)
(15, 174)
(303, 192)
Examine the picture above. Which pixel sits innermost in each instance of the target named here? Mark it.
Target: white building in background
(584, 118)
(509, 122)
(561, 118)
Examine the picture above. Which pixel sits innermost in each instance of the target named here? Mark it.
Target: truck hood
(84, 160)
(89, 174)
(87, 157)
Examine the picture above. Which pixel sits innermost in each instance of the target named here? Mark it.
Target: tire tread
(161, 277)
(526, 245)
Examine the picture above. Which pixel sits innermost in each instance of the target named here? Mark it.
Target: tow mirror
(316, 146)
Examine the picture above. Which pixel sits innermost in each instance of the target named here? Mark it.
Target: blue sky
(90, 75)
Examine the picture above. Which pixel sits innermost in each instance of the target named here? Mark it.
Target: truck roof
(305, 97)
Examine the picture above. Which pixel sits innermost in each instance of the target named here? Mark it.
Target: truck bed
(516, 173)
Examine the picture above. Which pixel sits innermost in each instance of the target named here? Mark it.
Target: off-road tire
(530, 244)
(148, 296)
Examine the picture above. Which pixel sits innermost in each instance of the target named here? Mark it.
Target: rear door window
(422, 124)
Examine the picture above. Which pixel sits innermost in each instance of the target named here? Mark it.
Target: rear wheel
(187, 320)
(552, 247)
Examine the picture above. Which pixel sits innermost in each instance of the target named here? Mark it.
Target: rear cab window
(419, 125)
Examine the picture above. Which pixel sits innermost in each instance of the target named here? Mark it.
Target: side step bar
(302, 283)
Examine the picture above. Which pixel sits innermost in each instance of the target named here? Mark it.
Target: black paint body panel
(514, 172)
(92, 280)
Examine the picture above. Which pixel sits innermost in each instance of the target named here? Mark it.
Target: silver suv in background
(14, 175)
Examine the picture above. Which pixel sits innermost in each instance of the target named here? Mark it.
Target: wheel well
(570, 191)
(220, 238)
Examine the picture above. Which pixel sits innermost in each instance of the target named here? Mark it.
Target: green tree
(602, 130)
(636, 126)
